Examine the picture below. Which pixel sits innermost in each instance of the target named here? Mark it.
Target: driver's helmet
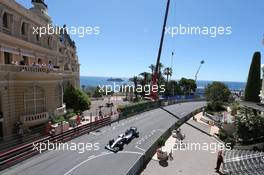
(127, 131)
(111, 142)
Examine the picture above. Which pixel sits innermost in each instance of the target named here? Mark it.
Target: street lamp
(201, 63)
(172, 54)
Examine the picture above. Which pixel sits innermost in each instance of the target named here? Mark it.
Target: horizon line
(97, 76)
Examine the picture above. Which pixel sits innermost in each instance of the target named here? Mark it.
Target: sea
(90, 81)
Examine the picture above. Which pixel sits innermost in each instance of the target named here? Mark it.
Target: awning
(9, 49)
(27, 53)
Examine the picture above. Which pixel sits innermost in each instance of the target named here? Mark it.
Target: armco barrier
(128, 111)
(141, 162)
(21, 153)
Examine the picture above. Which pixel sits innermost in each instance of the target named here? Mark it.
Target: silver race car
(118, 144)
(130, 134)
(115, 145)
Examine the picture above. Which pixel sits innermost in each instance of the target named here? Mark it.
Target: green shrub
(58, 119)
(69, 115)
(161, 142)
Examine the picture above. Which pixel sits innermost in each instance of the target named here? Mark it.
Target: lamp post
(172, 54)
(196, 75)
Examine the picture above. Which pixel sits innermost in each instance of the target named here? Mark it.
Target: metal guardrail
(15, 155)
(20, 153)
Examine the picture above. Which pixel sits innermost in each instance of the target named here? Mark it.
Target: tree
(135, 81)
(97, 92)
(167, 72)
(76, 99)
(173, 88)
(152, 67)
(217, 93)
(188, 86)
(254, 83)
(144, 79)
(249, 125)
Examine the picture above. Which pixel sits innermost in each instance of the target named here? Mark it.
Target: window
(24, 29)
(49, 40)
(34, 101)
(5, 20)
(8, 58)
(39, 61)
(37, 35)
(25, 60)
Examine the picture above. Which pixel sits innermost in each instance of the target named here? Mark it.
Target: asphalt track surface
(96, 161)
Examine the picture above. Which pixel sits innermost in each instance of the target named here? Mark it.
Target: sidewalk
(186, 162)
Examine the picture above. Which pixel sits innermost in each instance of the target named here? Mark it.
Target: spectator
(219, 161)
(50, 65)
(78, 119)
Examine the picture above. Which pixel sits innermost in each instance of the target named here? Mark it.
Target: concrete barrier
(143, 160)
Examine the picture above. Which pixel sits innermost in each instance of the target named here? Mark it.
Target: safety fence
(18, 154)
(22, 152)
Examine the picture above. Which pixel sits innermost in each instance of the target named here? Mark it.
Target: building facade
(34, 69)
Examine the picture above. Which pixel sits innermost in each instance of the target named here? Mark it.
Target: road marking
(83, 162)
(94, 157)
(140, 148)
(182, 113)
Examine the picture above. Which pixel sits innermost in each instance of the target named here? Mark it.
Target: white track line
(94, 157)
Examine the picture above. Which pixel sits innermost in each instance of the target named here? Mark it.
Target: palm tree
(167, 72)
(135, 81)
(145, 78)
(152, 67)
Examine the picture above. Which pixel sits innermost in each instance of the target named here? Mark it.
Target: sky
(130, 32)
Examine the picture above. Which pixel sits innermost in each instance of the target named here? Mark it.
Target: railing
(6, 30)
(20, 153)
(15, 155)
(20, 68)
(34, 119)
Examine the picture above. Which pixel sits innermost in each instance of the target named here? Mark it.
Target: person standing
(219, 161)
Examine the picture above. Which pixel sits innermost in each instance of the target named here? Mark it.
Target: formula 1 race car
(118, 144)
(130, 134)
(115, 145)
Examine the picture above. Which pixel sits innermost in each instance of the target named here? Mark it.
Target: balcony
(34, 119)
(31, 69)
(60, 111)
(6, 30)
